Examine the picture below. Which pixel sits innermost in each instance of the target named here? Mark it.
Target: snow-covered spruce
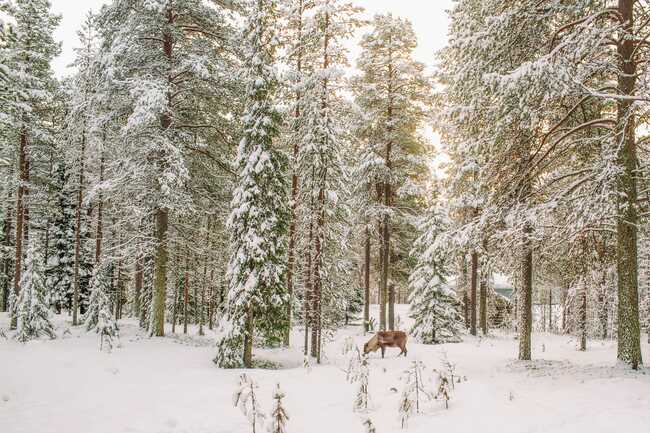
(99, 316)
(32, 311)
(435, 311)
(257, 298)
(279, 416)
(361, 376)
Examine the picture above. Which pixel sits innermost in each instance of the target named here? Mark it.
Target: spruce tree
(33, 313)
(258, 222)
(436, 313)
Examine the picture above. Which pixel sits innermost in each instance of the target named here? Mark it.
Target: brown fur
(384, 339)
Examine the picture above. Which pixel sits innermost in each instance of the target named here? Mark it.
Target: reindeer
(383, 339)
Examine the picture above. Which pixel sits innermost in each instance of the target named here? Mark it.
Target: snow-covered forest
(221, 221)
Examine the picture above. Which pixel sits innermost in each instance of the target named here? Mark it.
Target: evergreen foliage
(435, 311)
(32, 311)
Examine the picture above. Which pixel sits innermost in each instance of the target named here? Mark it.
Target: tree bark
(472, 300)
(583, 318)
(77, 232)
(248, 339)
(526, 300)
(20, 218)
(629, 334)
(483, 303)
(366, 283)
(186, 286)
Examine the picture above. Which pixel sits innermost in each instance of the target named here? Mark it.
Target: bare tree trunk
(6, 262)
(77, 231)
(526, 300)
(99, 232)
(550, 310)
(483, 303)
(211, 304)
(473, 293)
(138, 286)
(307, 297)
(463, 278)
(366, 283)
(20, 218)
(248, 339)
(186, 283)
(583, 317)
(629, 333)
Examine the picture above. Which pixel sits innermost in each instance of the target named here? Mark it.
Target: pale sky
(428, 17)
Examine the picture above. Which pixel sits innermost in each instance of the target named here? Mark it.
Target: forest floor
(170, 385)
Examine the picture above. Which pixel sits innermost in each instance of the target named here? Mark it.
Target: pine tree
(29, 82)
(259, 219)
(161, 61)
(279, 416)
(32, 311)
(393, 94)
(436, 313)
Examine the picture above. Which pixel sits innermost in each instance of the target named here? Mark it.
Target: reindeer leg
(383, 349)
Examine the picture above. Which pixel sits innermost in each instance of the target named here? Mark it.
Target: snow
(170, 385)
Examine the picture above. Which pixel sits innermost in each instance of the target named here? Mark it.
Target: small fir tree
(99, 316)
(279, 415)
(435, 311)
(33, 314)
(413, 391)
(361, 375)
(246, 400)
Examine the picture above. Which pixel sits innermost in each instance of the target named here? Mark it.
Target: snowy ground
(170, 385)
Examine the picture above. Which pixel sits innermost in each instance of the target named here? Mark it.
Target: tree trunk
(629, 335)
(583, 318)
(160, 273)
(139, 276)
(162, 213)
(472, 301)
(100, 208)
(463, 282)
(366, 283)
(77, 231)
(294, 189)
(483, 303)
(391, 307)
(307, 297)
(550, 310)
(248, 339)
(186, 287)
(6, 262)
(526, 300)
(20, 218)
